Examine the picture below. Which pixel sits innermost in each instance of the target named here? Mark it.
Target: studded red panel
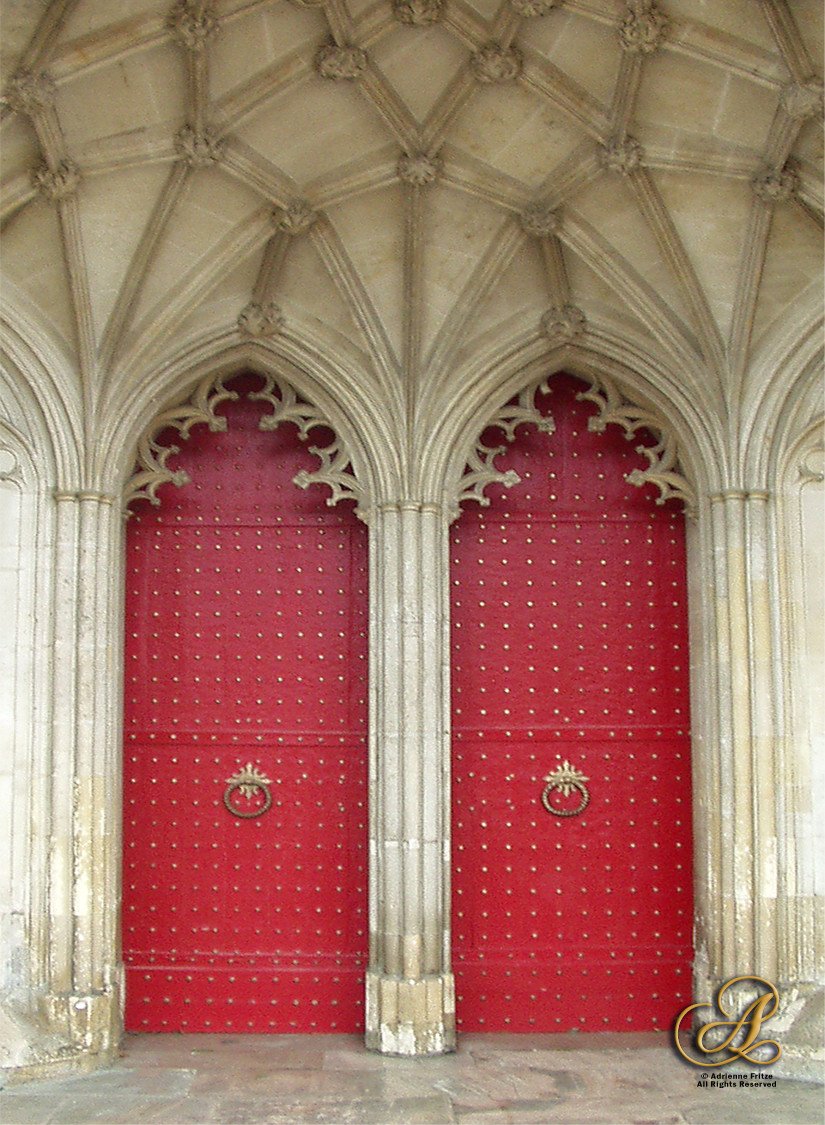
(570, 645)
(245, 644)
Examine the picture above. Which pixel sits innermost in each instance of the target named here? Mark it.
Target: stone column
(738, 781)
(82, 1003)
(410, 1004)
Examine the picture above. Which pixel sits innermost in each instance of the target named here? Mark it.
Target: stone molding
(418, 13)
(340, 64)
(493, 63)
(410, 1002)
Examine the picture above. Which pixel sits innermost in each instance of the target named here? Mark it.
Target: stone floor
(289, 1080)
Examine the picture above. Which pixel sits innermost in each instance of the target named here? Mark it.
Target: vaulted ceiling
(407, 183)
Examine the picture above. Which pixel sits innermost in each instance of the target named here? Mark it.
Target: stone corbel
(663, 458)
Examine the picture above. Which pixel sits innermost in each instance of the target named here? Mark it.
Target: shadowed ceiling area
(410, 183)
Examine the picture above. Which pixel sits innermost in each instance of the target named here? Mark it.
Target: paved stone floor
(290, 1080)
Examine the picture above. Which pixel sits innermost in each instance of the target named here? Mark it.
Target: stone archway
(244, 882)
(572, 899)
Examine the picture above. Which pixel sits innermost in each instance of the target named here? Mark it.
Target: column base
(410, 1017)
(68, 1035)
(89, 1022)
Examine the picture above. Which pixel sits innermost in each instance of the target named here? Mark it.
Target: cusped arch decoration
(153, 469)
(663, 468)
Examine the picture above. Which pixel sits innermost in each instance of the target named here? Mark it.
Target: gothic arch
(36, 391)
(360, 424)
(787, 396)
(623, 377)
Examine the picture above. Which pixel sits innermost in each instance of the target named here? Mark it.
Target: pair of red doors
(245, 787)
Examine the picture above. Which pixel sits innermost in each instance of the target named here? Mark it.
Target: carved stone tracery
(481, 470)
(663, 458)
(152, 459)
(335, 469)
(663, 469)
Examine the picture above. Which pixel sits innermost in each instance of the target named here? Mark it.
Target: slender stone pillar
(743, 813)
(82, 1002)
(410, 1004)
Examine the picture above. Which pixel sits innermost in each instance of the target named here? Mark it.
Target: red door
(244, 901)
(570, 647)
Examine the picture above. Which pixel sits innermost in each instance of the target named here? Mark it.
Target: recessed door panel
(244, 901)
(570, 690)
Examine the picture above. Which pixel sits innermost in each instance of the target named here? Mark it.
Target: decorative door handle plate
(247, 781)
(566, 779)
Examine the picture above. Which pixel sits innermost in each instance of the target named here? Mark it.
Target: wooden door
(245, 659)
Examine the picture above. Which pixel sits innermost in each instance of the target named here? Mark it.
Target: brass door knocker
(566, 779)
(248, 781)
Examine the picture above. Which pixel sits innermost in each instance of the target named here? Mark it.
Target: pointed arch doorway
(245, 773)
(572, 873)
